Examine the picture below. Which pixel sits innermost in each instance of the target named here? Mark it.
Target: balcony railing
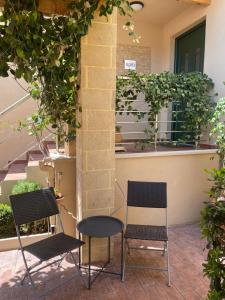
(165, 129)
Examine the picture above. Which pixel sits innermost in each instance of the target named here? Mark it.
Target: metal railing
(38, 143)
(14, 105)
(160, 128)
(31, 146)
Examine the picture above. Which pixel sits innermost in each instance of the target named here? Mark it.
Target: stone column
(96, 138)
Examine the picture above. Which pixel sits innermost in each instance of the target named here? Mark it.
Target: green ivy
(45, 51)
(218, 128)
(213, 213)
(212, 228)
(190, 91)
(7, 227)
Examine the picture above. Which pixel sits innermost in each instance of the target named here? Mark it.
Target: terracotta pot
(118, 137)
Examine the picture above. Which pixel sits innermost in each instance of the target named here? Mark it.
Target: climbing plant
(213, 229)
(218, 129)
(45, 52)
(213, 213)
(190, 92)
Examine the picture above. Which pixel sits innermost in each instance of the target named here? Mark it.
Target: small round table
(100, 227)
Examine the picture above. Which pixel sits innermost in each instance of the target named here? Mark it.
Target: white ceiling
(160, 11)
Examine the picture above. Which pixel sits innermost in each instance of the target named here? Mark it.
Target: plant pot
(118, 137)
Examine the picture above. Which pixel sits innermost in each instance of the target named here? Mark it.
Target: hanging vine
(213, 229)
(45, 52)
(213, 213)
(189, 91)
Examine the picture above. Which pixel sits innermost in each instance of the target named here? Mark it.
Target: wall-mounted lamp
(137, 5)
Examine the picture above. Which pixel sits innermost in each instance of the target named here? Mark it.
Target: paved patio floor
(186, 256)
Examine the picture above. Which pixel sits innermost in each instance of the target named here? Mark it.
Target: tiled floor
(186, 257)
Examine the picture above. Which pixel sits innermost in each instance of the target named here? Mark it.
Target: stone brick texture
(142, 56)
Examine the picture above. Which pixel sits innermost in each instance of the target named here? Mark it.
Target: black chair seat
(146, 232)
(53, 246)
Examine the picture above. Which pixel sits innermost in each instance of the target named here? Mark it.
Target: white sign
(130, 64)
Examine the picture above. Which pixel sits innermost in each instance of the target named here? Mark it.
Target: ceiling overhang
(60, 6)
(50, 6)
(203, 2)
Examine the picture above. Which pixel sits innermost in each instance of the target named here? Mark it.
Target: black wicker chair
(148, 195)
(33, 206)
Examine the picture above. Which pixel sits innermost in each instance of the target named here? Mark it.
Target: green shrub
(7, 227)
(25, 186)
(38, 226)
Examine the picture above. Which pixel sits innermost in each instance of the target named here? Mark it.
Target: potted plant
(118, 135)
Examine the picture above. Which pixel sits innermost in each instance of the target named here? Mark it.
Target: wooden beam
(202, 2)
(50, 6)
(53, 6)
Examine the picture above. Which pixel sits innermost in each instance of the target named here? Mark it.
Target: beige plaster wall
(151, 38)
(187, 184)
(66, 169)
(161, 39)
(142, 56)
(214, 44)
(13, 142)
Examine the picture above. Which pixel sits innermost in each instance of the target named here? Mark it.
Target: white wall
(214, 64)
(215, 45)
(10, 91)
(12, 142)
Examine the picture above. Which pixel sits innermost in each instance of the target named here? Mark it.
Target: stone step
(34, 156)
(3, 174)
(22, 170)
(17, 170)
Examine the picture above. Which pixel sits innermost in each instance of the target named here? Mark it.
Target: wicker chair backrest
(147, 194)
(32, 206)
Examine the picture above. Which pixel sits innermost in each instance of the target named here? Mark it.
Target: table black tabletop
(100, 226)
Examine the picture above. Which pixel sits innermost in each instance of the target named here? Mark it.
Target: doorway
(189, 57)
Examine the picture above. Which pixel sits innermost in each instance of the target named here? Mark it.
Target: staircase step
(3, 174)
(50, 144)
(35, 156)
(17, 170)
(17, 162)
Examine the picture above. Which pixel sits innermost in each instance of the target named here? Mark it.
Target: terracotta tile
(186, 256)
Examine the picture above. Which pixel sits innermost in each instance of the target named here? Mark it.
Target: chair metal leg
(168, 264)
(62, 258)
(121, 262)
(124, 259)
(27, 271)
(164, 248)
(109, 250)
(24, 277)
(79, 253)
(89, 262)
(17, 255)
(128, 247)
(78, 268)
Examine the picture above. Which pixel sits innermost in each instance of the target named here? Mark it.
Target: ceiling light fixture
(137, 5)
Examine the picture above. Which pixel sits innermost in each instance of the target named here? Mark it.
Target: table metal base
(100, 270)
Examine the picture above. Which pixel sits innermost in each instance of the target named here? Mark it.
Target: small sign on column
(130, 64)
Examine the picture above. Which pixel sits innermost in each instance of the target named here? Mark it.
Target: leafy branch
(213, 214)
(190, 93)
(45, 52)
